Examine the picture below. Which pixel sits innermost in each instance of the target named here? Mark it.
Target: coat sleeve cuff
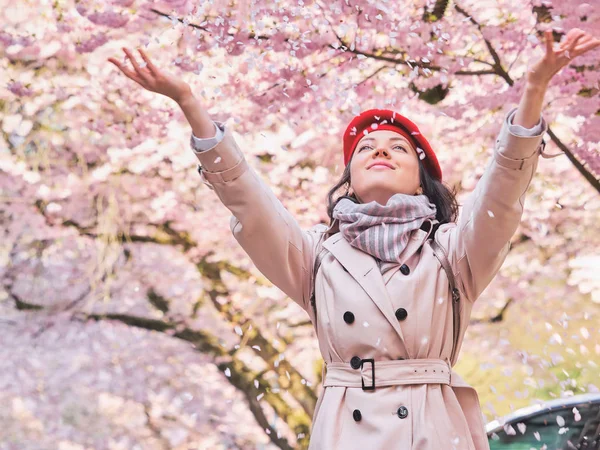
(517, 152)
(205, 144)
(519, 130)
(223, 163)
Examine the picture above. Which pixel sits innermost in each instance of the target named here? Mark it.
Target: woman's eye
(395, 146)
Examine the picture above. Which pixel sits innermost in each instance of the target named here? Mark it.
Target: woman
(385, 313)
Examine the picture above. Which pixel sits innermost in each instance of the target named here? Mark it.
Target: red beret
(384, 119)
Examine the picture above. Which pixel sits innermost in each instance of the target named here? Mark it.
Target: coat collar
(364, 269)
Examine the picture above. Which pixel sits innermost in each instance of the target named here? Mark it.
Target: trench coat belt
(373, 374)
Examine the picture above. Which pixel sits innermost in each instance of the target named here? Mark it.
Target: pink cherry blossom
(131, 318)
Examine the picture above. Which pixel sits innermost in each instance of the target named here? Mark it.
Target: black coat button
(402, 412)
(356, 362)
(401, 314)
(357, 415)
(348, 317)
(404, 269)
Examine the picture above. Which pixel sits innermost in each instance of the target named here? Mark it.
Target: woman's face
(378, 183)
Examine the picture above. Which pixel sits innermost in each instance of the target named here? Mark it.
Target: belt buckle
(372, 387)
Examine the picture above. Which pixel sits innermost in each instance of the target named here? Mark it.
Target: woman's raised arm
(268, 233)
(153, 79)
(479, 243)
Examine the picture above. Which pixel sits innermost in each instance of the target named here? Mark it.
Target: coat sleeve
(480, 241)
(268, 233)
(204, 144)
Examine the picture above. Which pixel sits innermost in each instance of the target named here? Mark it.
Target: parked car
(571, 423)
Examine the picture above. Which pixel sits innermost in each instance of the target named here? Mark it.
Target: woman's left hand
(577, 42)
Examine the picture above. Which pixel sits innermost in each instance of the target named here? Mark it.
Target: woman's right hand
(151, 78)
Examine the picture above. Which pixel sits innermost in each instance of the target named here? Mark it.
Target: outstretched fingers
(587, 43)
(151, 67)
(138, 70)
(549, 42)
(580, 45)
(127, 71)
(587, 47)
(570, 49)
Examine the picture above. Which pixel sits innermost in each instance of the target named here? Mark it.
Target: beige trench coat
(403, 320)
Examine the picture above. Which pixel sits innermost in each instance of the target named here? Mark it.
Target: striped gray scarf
(383, 231)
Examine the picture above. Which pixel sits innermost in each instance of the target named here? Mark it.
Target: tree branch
(302, 393)
(499, 317)
(240, 377)
(497, 69)
(497, 63)
(588, 175)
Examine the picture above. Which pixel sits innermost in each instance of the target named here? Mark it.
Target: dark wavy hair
(438, 193)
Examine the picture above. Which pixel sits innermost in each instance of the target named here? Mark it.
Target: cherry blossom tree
(131, 318)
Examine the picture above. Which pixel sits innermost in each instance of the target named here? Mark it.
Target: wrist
(536, 85)
(185, 98)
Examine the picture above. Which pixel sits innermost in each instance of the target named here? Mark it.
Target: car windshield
(563, 429)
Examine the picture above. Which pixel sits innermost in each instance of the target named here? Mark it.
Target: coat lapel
(363, 268)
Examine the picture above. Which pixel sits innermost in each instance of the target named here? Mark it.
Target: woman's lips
(380, 166)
